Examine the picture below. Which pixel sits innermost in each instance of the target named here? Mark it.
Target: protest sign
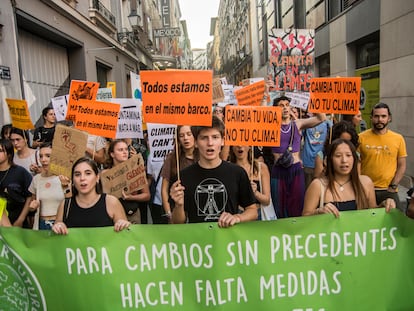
(360, 261)
(182, 97)
(104, 93)
(218, 94)
(69, 144)
(335, 95)
(130, 118)
(251, 95)
(298, 100)
(19, 113)
(97, 118)
(112, 85)
(252, 126)
(128, 176)
(136, 85)
(161, 140)
(229, 96)
(59, 105)
(291, 58)
(80, 90)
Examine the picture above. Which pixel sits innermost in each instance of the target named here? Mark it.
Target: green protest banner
(361, 261)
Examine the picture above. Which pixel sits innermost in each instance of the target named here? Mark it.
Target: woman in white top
(24, 155)
(48, 190)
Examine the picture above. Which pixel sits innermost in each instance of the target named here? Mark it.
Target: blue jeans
(45, 224)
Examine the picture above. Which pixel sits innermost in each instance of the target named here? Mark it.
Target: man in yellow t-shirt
(383, 154)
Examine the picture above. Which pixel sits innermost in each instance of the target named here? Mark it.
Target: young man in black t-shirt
(212, 189)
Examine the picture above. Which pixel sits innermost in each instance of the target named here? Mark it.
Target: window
(102, 73)
(367, 51)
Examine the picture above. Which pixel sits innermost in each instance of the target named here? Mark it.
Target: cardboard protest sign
(218, 94)
(97, 118)
(69, 144)
(253, 126)
(60, 106)
(128, 176)
(291, 58)
(251, 95)
(19, 114)
(79, 90)
(298, 100)
(161, 140)
(182, 97)
(130, 118)
(335, 95)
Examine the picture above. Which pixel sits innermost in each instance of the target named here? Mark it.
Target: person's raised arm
(317, 118)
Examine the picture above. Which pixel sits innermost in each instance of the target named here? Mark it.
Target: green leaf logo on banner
(19, 288)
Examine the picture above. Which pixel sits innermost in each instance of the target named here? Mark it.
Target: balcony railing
(101, 16)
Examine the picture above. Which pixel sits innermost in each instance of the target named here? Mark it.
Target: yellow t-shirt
(379, 155)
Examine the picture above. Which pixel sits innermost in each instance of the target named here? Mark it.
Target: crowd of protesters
(321, 166)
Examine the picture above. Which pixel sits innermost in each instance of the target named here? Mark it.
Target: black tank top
(95, 216)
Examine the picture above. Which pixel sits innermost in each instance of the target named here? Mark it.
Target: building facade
(44, 44)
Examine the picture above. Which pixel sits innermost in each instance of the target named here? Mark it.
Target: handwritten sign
(335, 95)
(128, 176)
(291, 60)
(298, 100)
(130, 118)
(80, 90)
(19, 113)
(253, 126)
(218, 94)
(60, 104)
(251, 95)
(182, 97)
(69, 144)
(160, 140)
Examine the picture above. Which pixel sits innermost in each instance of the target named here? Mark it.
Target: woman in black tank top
(341, 188)
(88, 207)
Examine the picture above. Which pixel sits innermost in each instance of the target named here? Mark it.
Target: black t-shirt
(44, 134)
(14, 185)
(210, 192)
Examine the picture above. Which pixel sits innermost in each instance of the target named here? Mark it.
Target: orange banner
(19, 113)
(253, 126)
(97, 118)
(182, 97)
(335, 95)
(79, 90)
(251, 95)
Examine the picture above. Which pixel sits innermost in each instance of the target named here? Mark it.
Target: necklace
(286, 131)
(341, 186)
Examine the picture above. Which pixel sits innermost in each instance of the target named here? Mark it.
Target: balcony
(102, 17)
(128, 40)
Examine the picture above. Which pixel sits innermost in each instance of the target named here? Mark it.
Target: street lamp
(134, 19)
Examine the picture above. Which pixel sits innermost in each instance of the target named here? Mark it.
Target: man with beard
(383, 154)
